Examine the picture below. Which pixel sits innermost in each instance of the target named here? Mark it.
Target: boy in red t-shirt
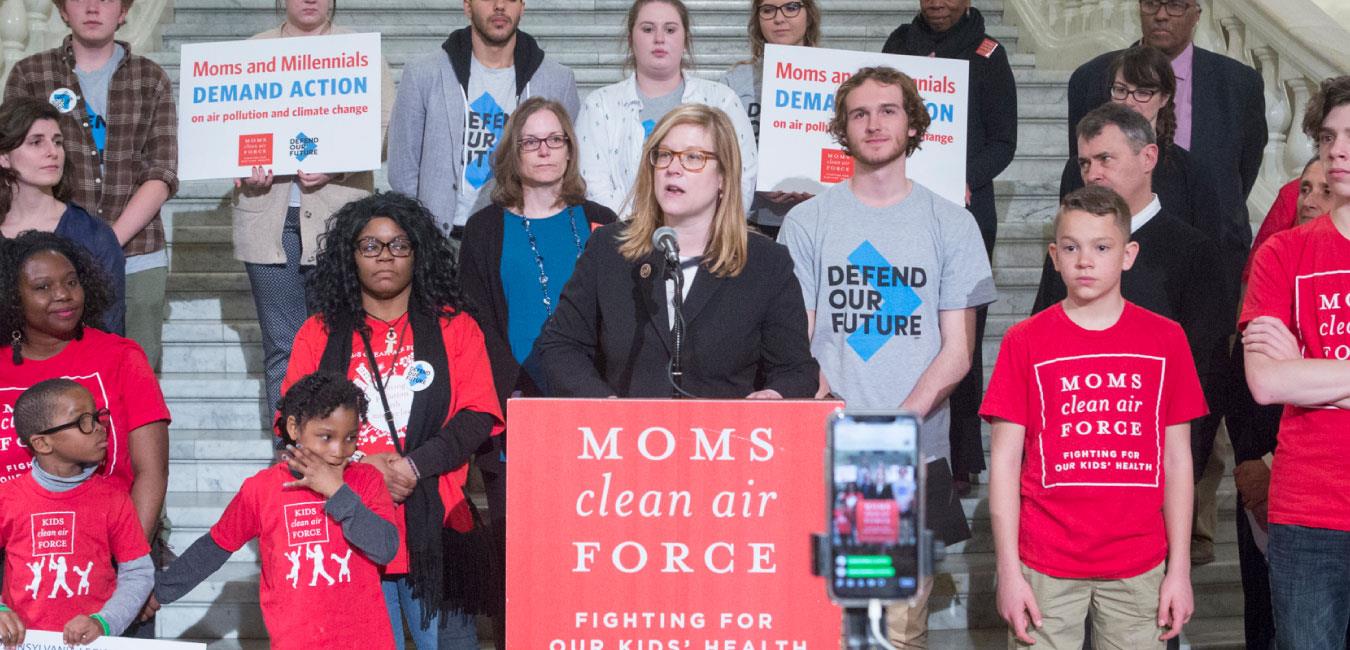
(1296, 346)
(1090, 481)
(62, 527)
(324, 524)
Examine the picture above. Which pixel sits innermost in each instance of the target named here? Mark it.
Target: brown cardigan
(258, 217)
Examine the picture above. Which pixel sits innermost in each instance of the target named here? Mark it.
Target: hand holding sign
(81, 630)
(11, 629)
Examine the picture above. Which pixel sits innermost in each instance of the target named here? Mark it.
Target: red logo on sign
(306, 523)
(878, 521)
(835, 166)
(255, 149)
(53, 533)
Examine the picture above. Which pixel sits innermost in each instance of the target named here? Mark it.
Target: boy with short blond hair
(1090, 481)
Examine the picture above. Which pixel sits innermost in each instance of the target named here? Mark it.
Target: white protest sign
(797, 152)
(286, 104)
(39, 640)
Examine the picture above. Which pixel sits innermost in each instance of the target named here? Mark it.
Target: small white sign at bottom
(39, 640)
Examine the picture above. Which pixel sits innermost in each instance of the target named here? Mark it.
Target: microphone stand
(677, 332)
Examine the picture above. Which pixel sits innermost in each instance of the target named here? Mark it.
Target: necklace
(539, 259)
(392, 344)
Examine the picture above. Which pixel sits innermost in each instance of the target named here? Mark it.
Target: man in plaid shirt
(120, 130)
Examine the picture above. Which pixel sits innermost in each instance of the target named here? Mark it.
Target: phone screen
(874, 513)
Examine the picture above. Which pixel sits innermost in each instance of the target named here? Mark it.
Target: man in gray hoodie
(452, 108)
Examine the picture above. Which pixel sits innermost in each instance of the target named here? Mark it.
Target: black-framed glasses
(790, 10)
(692, 160)
(372, 247)
(1120, 91)
(555, 141)
(86, 422)
(1174, 7)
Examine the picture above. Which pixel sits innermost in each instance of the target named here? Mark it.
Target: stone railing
(1292, 43)
(28, 26)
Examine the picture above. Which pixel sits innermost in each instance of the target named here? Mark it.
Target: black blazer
(610, 334)
(991, 133)
(480, 278)
(1228, 134)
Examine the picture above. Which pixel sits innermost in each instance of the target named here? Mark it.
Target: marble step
(569, 32)
(365, 12)
(211, 400)
(1216, 633)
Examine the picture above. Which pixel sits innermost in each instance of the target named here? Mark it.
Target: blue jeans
(455, 631)
(1309, 586)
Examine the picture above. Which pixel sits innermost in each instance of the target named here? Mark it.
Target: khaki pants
(1206, 518)
(1124, 613)
(907, 625)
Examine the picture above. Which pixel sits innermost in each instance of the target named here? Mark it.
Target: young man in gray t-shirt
(891, 275)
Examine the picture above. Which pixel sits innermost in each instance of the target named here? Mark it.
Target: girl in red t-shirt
(324, 526)
(390, 320)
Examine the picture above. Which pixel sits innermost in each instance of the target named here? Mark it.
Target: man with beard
(452, 106)
(892, 275)
(952, 29)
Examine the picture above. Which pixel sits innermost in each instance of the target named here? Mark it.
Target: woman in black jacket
(517, 255)
(519, 252)
(744, 325)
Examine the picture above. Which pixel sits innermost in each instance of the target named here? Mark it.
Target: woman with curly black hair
(390, 319)
(52, 296)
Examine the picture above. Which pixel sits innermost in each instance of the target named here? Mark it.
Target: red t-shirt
(115, 371)
(316, 590)
(1096, 406)
(1302, 277)
(470, 388)
(60, 548)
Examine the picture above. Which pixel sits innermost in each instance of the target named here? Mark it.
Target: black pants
(967, 441)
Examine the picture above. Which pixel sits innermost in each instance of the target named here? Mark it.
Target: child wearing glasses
(63, 527)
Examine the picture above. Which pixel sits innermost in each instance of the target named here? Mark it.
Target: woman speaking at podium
(741, 331)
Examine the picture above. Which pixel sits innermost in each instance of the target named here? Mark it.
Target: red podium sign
(666, 525)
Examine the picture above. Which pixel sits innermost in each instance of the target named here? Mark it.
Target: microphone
(664, 240)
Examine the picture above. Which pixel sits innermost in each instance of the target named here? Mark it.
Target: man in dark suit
(1177, 272)
(1220, 114)
(1220, 110)
(952, 29)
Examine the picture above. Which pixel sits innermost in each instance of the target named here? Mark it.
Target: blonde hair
(630, 23)
(726, 250)
(810, 39)
(507, 191)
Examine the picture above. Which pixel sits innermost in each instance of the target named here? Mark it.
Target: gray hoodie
(426, 130)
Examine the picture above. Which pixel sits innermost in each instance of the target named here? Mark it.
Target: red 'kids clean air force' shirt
(60, 547)
(470, 385)
(115, 371)
(1302, 277)
(1096, 405)
(316, 590)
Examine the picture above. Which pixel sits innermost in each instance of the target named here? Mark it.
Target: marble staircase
(212, 356)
